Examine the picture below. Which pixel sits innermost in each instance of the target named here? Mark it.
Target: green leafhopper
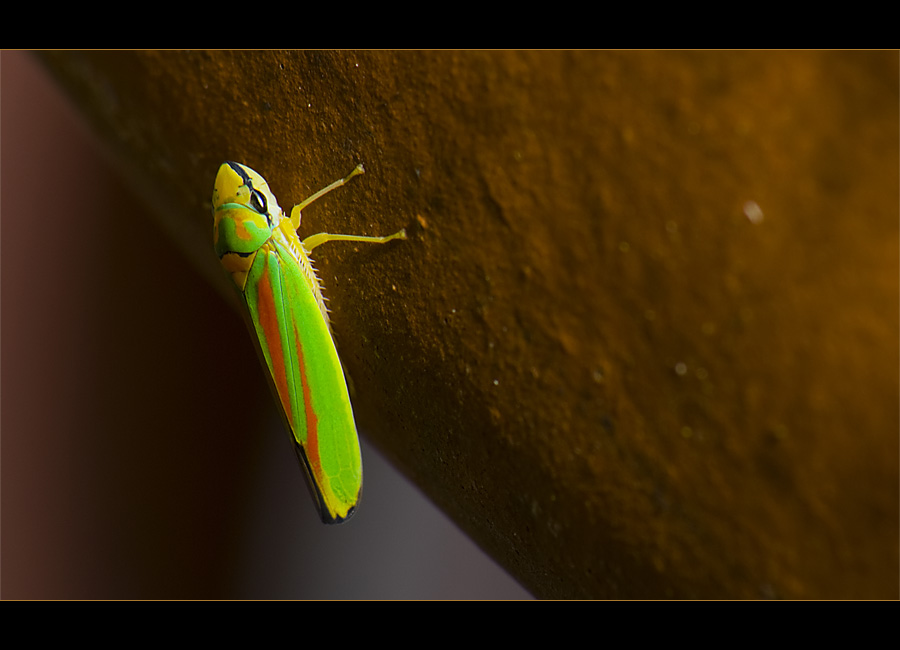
(259, 247)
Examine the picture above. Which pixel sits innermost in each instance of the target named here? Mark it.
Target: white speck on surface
(753, 212)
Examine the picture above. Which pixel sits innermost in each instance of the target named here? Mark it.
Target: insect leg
(315, 240)
(295, 211)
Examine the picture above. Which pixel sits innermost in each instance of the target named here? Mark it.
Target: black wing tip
(328, 519)
(318, 499)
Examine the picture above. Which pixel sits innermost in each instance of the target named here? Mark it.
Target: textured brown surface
(587, 354)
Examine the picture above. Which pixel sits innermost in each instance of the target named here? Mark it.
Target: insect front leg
(295, 211)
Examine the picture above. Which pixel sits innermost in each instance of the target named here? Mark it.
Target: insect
(259, 247)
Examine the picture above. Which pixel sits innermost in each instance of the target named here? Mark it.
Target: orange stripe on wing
(312, 420)
(268, 320)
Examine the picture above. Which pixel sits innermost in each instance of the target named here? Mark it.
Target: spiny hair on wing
(309, 271)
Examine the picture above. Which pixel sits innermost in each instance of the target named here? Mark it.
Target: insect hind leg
(317, 240)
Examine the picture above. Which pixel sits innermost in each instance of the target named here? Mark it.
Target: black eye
(258, 202)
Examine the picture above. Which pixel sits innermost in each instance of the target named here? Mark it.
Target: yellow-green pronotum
(270, 266)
